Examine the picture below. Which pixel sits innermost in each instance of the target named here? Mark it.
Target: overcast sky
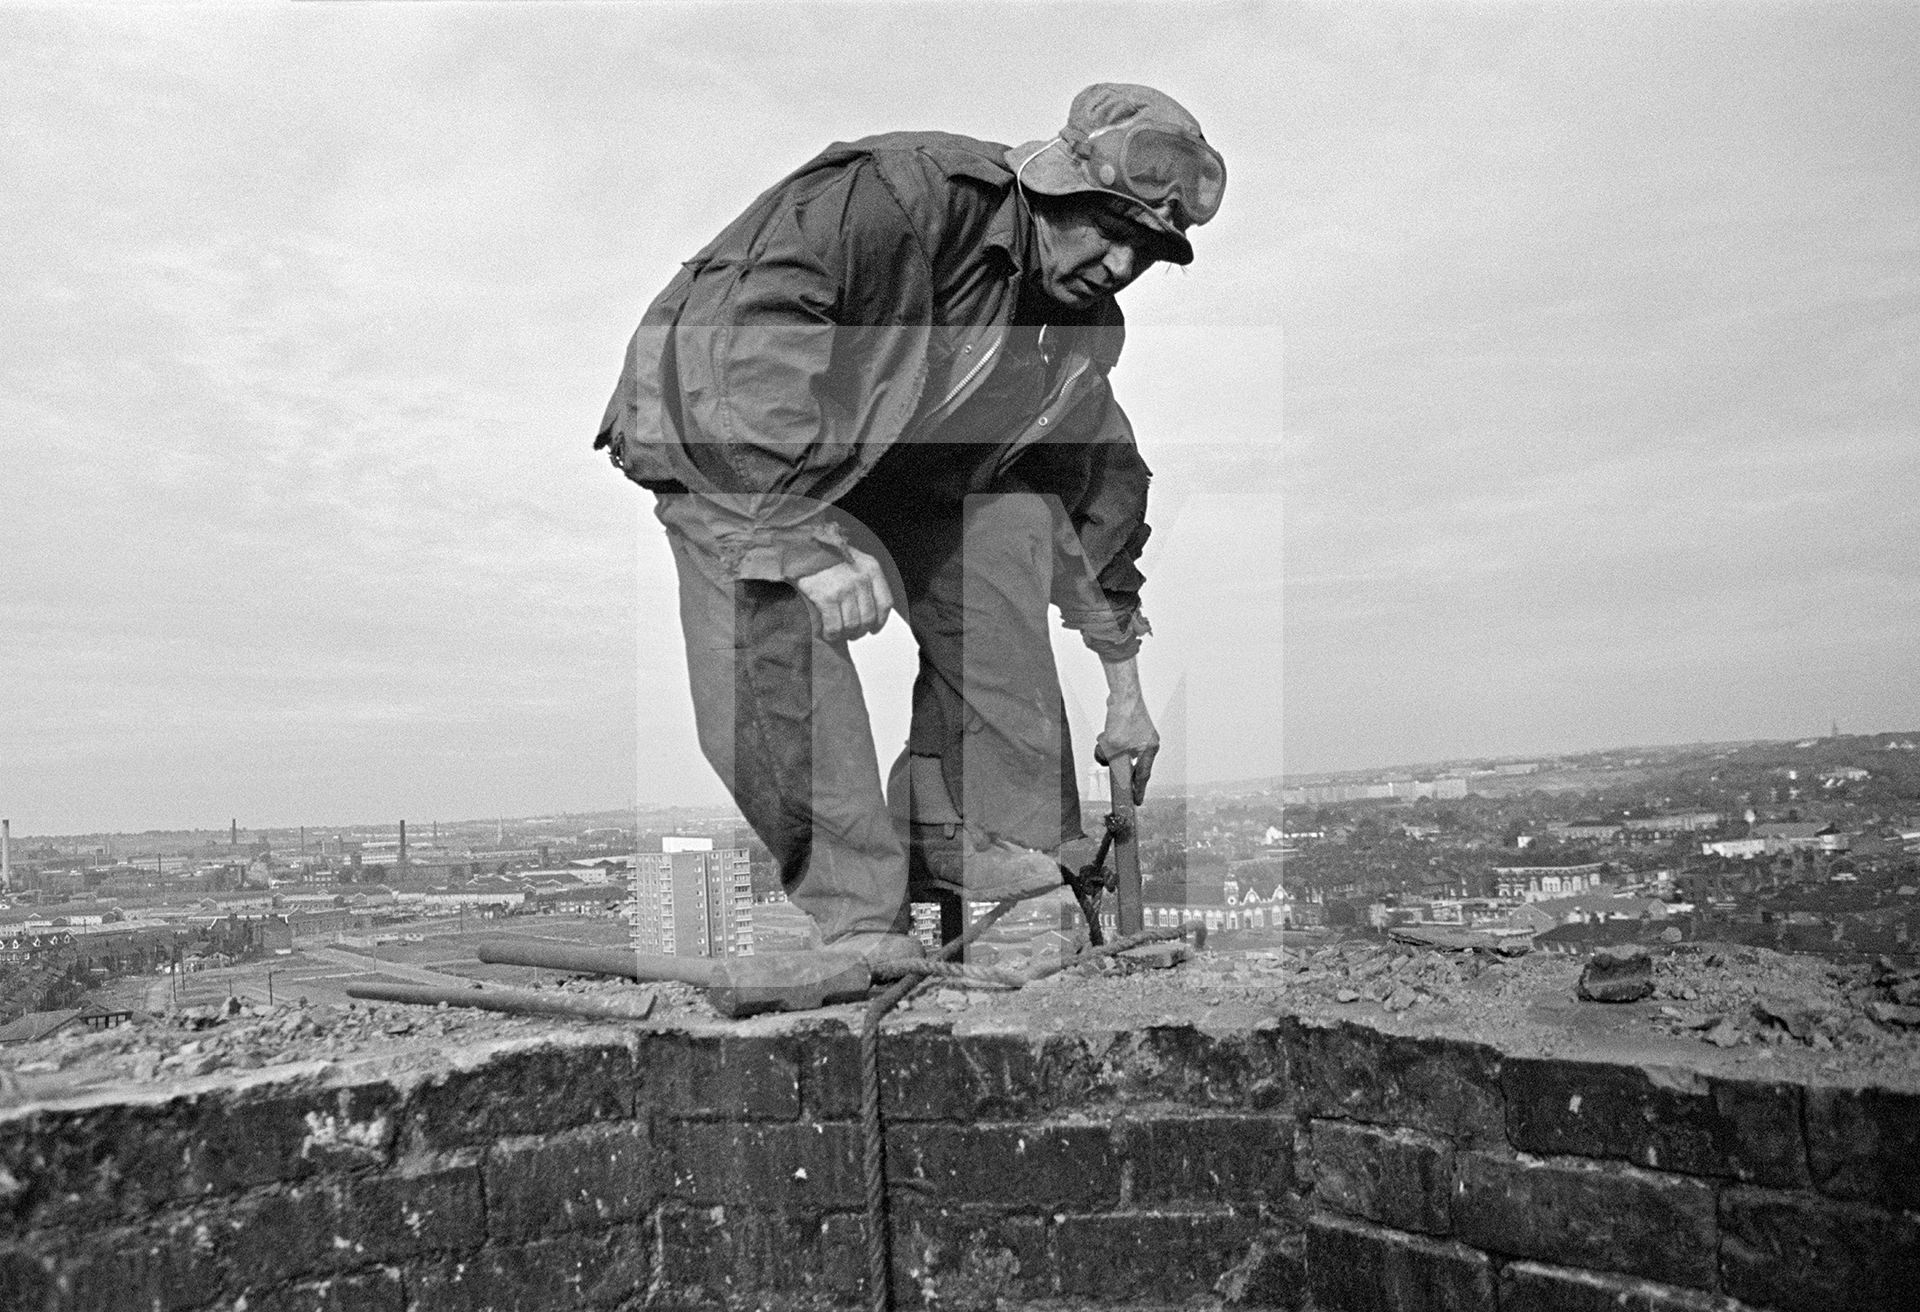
(1547, 382)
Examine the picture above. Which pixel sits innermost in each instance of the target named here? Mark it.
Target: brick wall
(1284, 1166)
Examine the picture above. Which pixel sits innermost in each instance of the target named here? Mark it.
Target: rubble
(1619, 975)
(1723, 1002)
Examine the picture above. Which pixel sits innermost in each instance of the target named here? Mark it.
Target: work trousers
(783, 720)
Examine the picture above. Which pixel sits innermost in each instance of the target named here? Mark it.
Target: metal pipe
(546, 955)
(518, 1002)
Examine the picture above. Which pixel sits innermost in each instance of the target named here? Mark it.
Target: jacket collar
(1011, 231)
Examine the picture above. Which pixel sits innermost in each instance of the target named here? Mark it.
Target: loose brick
(1355, 1267)
(424, 1207)
(1863, 1144)
(1441, 1086)
(1611, 1219)
(1206, 1159)
(1803, 1252)
(724, 1076)
(1394, 1177)
(798, 1168)
(1535, 1287)
(537, 1091)
(577, 1271)
(1672, 1120)
(1068, 1167)
(579, 1181)
(1143, 1256)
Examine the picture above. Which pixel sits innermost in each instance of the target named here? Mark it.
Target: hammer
(736, 986)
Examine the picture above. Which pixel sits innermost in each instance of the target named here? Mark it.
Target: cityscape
(1810, 846)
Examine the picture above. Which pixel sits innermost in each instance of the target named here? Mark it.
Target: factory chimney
(403, 842)
(233, 835)
(6, 855)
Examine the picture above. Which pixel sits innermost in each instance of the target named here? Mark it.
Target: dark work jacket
(834, 319)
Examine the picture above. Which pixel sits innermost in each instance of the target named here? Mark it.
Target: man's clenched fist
(852, 600)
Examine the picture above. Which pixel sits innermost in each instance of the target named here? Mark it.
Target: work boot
(875, 947)
(982, 869)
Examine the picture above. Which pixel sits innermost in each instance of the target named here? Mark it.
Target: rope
(908, 976)
(879, 1258)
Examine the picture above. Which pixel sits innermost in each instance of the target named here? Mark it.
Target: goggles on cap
(1154, 165)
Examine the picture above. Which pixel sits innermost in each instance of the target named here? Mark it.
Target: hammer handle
(600, 961)
(1129, 911)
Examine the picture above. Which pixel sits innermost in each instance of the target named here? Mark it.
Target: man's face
(1088, 248)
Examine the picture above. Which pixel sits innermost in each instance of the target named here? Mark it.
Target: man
(885, 386)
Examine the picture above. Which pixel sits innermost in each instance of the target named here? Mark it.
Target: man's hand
(852, 599)
(1129, 727)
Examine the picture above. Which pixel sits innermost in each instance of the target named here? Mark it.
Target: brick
(1441, 1086)
(930, 1075)
(830, 1072)
(842, 1251)
(89, 1168)
(1069, 1167)
(1393, 1177)
(536, 1091)
(1206, 1159)
(1802, 1252)
(601, 1270)
(424, 1207)
(741, 1255)
(579, 1181)
(1355, 1267)
(378, 1290)
(1863, 1143)
(1535, 1287)
(967, 1259)
(1181, 1063)
(795, 1168)
(1144, 1256)
(100, 1165)
(723, 1076)
(1664, 1119)
(264, 1136)
(1272, 1274)
(267, 1238)
(135, 1271)
(926, 1074)
(1607, 1218)
(26, 1279)
(352, 1128)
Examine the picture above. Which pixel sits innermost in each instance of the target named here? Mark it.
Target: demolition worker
(884, 386)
